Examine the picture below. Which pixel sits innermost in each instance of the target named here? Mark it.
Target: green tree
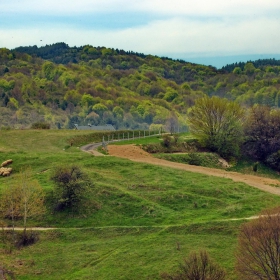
(72, 187)
(217, 124)
(249, 68)
(49, 70)
(237, 70)
(99, 108)
(7, 85)
(118, 112)
(72, 96)
(170, 94)
(87, 100)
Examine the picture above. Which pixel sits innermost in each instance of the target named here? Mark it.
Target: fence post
(133, 134)
(144, 133)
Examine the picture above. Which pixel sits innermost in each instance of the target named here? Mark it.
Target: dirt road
(135, 153)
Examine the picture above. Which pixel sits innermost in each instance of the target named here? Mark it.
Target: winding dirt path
(135, 153)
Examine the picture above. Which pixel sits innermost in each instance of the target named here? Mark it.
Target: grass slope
(144, 218)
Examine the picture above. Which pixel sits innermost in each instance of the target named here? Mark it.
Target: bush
(194, 159)
(40, 125)
(198, 266)
(72, 187)
(273, 161)
(26, 238)
(167, 141)
(255, 166)
(6, 128)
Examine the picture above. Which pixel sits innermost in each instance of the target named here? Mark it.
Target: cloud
(209, 8)
(62, 7)
(160, 27)
(220, 8)
(162, 37)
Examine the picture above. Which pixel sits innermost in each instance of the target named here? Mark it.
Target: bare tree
(172, 123)
(198, 266)
(32, 196)
(258, 255)
(24, 198)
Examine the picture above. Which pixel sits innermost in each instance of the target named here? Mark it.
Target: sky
(213, 32)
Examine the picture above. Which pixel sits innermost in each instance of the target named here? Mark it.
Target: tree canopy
(262, 130)
(217, 124)
(59, 84)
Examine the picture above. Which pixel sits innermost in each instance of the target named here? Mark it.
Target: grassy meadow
(142, 220)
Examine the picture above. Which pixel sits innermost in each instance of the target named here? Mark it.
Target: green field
(143, 219)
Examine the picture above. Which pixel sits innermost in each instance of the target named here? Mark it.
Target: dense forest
(64, 85)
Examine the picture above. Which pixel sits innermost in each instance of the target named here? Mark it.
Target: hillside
(143, 219)
(65, 85)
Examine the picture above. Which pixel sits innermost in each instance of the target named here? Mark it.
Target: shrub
(26, 238)
(6, 128)
(72, 187)
(194, 159)
(198, 266)
(40, 125)
(273, 161)
(153, 148)
(255, 166)
(166, 141)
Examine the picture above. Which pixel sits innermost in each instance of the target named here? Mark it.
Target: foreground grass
(121, 253)
(143, 219)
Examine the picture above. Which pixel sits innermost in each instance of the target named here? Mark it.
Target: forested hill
(257, 63)
(64, 85)
(61, 53)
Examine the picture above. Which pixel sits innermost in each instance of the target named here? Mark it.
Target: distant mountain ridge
(257, 63)
(62, 53)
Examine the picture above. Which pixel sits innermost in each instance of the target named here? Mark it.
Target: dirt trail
(135, 153)
(29, 228)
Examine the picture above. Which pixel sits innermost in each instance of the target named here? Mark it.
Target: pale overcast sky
(210, 32)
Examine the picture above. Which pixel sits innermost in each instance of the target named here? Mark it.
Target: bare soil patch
(135, 153)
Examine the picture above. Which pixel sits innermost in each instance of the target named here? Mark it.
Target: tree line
(225, 127)
(64, 85)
